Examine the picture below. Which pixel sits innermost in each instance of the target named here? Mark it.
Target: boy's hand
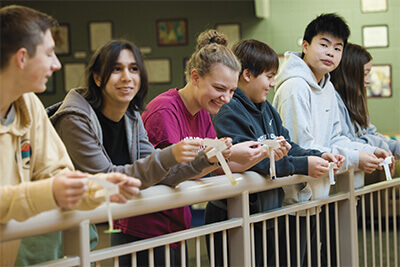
(332, 157)
(248, 151)
(69, 188)
(283, 149)
(186, 150)
(128, 186)
(367, 162)
(317, 166)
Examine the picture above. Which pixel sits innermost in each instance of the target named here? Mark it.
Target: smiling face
(123, 84)
(367, 75)
(216, 88)
(323, 55)
(39, 68)
(258, 87)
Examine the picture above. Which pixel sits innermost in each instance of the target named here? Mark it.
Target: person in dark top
(249, 116)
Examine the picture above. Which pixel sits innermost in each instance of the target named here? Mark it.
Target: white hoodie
(310, 112)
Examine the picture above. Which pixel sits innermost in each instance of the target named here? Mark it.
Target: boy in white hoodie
(36, 173)
(305, 99)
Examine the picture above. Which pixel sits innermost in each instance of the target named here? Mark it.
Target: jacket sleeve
(88, 154)
(228, 123)
(374, 138)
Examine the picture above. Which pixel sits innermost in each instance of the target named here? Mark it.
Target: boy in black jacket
(248, 116)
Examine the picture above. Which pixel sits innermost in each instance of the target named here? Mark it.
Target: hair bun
(211, 37)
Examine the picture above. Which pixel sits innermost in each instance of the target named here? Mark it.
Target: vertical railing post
(348, 238)
(76, 242)
(239, 238)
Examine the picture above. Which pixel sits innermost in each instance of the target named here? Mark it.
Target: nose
(126, 77)
(272, 82)
(226, 96)
(367, 79)
(55, 65)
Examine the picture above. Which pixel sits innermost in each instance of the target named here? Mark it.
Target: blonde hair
(211, 49)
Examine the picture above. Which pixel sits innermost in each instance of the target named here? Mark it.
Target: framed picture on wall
(231, 30)
(74, 74)
(368, 6)
(159, 70)
(100, 33)
(381, 81)
(375, 36)
(61, 36)
(171, 32)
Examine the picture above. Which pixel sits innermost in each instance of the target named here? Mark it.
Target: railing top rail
(153, 199)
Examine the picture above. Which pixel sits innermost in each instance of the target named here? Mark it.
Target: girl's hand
(226, 153)
(367, 162)
(128, 186)
(69, 188)
(186, 150)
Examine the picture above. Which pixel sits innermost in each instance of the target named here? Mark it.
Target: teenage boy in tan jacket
(31, 149)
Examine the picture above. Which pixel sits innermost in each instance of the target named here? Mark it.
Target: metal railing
(237, 231)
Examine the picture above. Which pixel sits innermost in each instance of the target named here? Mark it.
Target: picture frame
(172, 32)
(74, 74)
(381, 81)
(375, 36)
(370, 6)
(231, 30)
(159, 70)
(100, 33)
(62, 39)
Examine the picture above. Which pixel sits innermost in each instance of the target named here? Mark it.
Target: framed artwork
(368, 6)
(61, 36)
(231, 30)
(171, 32)
(375, 36)
(159, 70)
(100, 33)
(74, 74)
(381, 81)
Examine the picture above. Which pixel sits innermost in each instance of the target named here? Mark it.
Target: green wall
(135, 20)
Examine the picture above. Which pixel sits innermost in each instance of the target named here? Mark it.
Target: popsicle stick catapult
(385, 163)
(271, 145)
(332, 166)
(218, 147)
(108, 190)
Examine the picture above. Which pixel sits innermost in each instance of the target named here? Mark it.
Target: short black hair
(330, 23)
(256, 56)
(103, 63)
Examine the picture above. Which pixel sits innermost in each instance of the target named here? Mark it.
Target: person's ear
(305, 45)
(194, 77)
(22, 57)
(246, 75)
(97, 79)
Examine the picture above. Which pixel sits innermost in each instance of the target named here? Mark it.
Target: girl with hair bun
(178, 114)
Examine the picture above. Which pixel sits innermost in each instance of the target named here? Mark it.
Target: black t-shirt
(114, 139)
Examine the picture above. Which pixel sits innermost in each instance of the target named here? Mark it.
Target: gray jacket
(367, 135)
(79, 128)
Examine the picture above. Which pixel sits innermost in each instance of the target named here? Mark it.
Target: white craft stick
(332, 166)
(271, 145)
(385, 163)
(218, 147)
(108, 190)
